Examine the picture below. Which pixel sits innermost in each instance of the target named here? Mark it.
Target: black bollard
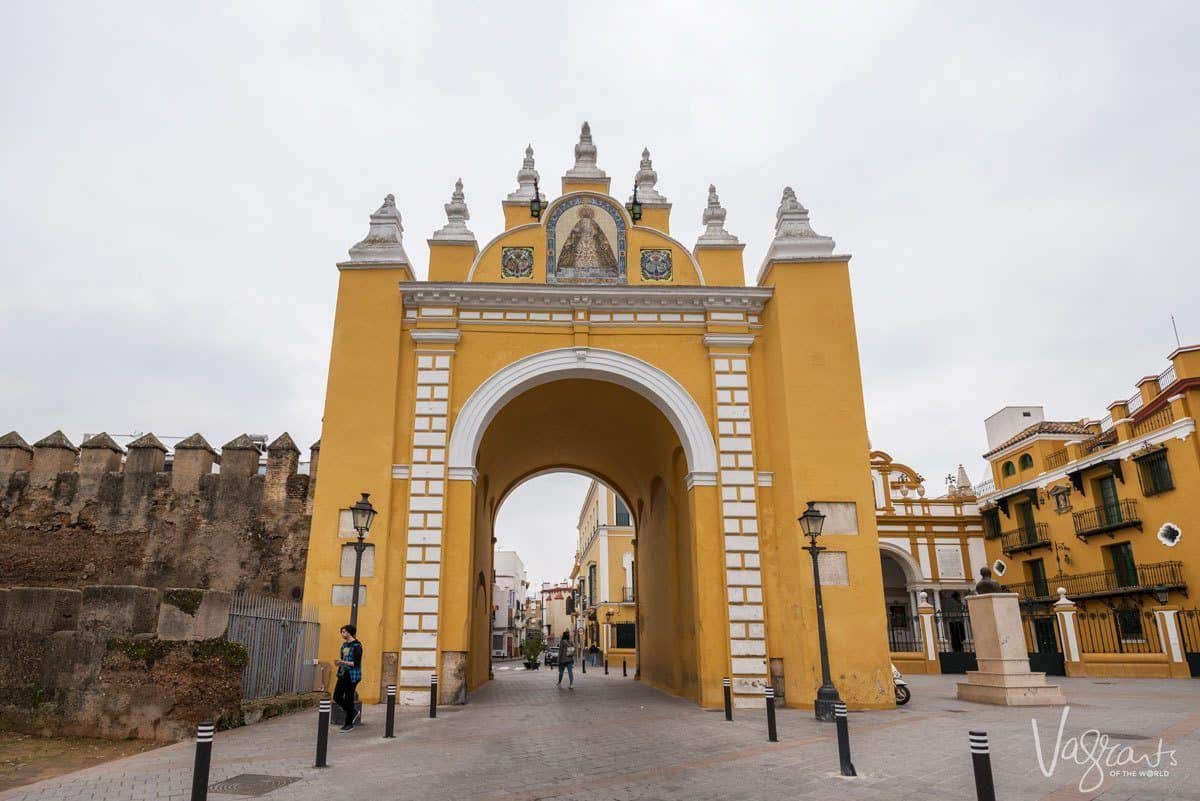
(728, 687)
(433, 695)
(389, 725)
(323, 709)
(981, 757)
(606, 665)
(583, 663)
(624, 669)
(204, 740)
(843, 730)
(772, 734)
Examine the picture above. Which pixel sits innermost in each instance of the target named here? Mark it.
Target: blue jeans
(569, 667)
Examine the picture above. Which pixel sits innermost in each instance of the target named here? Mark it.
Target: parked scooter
(902, 693)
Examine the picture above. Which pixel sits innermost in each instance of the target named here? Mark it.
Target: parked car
(551, 656)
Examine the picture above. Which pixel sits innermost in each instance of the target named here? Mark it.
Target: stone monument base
(1004, 676)
(1027, 689)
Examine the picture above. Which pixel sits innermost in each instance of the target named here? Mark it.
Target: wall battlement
(141, 514)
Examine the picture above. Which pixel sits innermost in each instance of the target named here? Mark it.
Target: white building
(509, 588)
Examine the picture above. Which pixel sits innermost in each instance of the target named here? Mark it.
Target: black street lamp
(811, 523)
(361, 515)
(535, 204)
(634, 207)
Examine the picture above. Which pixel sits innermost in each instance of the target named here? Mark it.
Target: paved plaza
(520, 738)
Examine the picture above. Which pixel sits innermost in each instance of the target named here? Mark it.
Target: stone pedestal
(1003, 677)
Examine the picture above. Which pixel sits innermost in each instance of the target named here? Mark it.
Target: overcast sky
(1015, 182)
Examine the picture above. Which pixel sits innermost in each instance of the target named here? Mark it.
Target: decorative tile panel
(516, 262)
(585, 242)
(656, 264)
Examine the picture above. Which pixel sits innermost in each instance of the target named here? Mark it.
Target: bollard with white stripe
(772, 734)
(204, 742)
(727, 685)
(389, 725)
(843, 734)
(981, 758)
(323, 709)
(433, 695)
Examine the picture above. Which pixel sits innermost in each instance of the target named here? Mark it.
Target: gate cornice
(524, 296)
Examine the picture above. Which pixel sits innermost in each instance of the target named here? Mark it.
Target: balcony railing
(1025, 538)
(1160, 419)
(627, 595)
(1156, 577)
(1099, 442)
(1107, 518)
(1167, 378)
(985, 487)
(1056, 459)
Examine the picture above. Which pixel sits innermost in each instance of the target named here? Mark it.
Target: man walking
(566, 660)
(349, 674)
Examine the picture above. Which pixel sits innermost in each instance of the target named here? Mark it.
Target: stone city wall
(102, 514)
(117, 661)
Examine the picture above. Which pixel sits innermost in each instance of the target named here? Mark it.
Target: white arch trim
(912, 570)
(656, 386)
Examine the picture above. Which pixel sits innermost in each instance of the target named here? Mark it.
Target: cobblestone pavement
(520, 738)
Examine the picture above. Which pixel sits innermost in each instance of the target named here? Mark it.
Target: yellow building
(931, 549)
(1100, 508)
(605, 578)
(584, 336)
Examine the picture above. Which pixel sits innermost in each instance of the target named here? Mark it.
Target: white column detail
(426, 508)
(1168, 633)
(739, 509)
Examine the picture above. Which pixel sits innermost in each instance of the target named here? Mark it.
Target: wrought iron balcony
(1140, 580)
(1057, 459)
(627, 595)
(1107, 519)
(1025, 538)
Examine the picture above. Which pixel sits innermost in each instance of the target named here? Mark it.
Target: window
(1062, 499)
(1025, 462)
(1025, 516)
(591, 596)
(1008, 470)
(626, 635)
(1120, 557)
(622, 513)
(991, 523)
(1154, 472)
(1035, 569)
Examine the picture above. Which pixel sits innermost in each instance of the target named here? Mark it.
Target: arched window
(1025, 462)
(1008, 470)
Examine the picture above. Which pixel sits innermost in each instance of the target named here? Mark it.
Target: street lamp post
(811, 523)
(361, 514)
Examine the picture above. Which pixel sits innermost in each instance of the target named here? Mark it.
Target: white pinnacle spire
(385, 239)
(794, 237)
(964, 481)
(455, 229)
(645, 180)
(527, 176)
(714, 222)
(585, 158)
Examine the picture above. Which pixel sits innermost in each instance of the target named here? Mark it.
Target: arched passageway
(615, 434)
